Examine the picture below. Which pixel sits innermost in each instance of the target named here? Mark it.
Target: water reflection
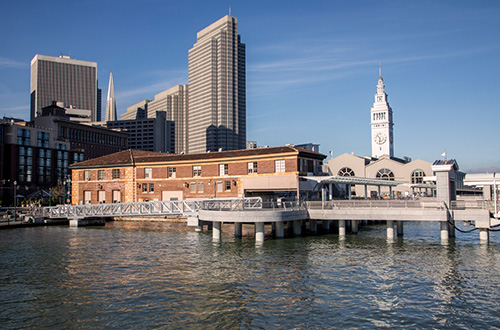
(158, 275)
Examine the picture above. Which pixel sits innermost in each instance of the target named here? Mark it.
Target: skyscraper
(111, 102)
(381, 123)
(217, 89)
(65, 80)
(173, 101)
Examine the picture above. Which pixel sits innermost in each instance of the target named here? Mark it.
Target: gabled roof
(129, 157)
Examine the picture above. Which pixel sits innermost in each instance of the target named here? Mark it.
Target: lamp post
(15, 201)
(68, 181)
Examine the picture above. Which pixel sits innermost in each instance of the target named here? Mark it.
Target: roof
(449, 162)
(129, 157)
(353, 180)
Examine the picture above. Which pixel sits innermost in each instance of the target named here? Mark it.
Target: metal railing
(375, 204)
(147, 208)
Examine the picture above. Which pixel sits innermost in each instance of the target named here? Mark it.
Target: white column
(445, 235)
(354, 226)
(297, 227)
(280, 229)
(313, 226)
(238, 229)
(349, 191)
(330, 192)
(484, 235)
(399, 226)
(259, 231)
(216, 231)
(390, 229)
(342, 228)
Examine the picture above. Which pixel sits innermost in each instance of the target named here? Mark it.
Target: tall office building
(173, 101)
(110, 114)
(65, 80)
(217, 89)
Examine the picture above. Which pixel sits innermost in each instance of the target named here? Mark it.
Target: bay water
(156, 275)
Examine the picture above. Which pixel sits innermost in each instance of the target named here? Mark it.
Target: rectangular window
(279, 166)
(87, 197)
(219, 186)
(228, 185)
(223, 169)
(148, 173)
(87, 175)
(101, 196)
(144, 187)
(151, 187)
(171, 172)
(116, 173)
(200, 187)
(100, 174)
(197, 170)
(192, 187)
(252, 167)
(117, 196)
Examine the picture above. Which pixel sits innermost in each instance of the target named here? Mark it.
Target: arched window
(417, 176)
(385, 174)
(345, 171)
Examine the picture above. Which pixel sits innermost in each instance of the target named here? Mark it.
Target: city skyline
(312, 69)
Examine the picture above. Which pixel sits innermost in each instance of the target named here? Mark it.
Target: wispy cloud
(9, 63)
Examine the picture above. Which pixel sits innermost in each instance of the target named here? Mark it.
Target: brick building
(136, 176)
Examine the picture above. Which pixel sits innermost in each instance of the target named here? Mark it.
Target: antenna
(230, 10)
(379, 69)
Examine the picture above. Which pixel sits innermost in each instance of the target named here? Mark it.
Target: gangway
(153, 208)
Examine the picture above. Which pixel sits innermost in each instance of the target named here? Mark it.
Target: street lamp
(15, 201)
(68, 181)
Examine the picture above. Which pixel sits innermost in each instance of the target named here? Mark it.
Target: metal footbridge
(154, 208)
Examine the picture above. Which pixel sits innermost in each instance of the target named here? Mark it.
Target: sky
(312, 66)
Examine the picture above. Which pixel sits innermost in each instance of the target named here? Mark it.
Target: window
(151, 187)
(200, 187)
(171, 172)
(144, 187)
(192, 187)
(223, 169)
(100, 175)
(87, 197)
(101, 196)
(116, 173)
(417, 176)
(227, 183)
(219, 186)
(148, 173)
(279, 166)
(87, 175)
(197, 170)
(385, 174)
(252, 167)
(346, 171)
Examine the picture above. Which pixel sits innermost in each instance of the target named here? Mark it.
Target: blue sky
(312, 67)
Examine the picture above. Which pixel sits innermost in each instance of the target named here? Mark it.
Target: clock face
(380, 138)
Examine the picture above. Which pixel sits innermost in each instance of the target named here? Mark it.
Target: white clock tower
(381, 122)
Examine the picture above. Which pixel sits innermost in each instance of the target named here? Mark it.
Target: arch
(346, 171)
(385, 174)
(417, 176)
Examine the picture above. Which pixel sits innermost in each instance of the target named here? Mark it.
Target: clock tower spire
(381, 122)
